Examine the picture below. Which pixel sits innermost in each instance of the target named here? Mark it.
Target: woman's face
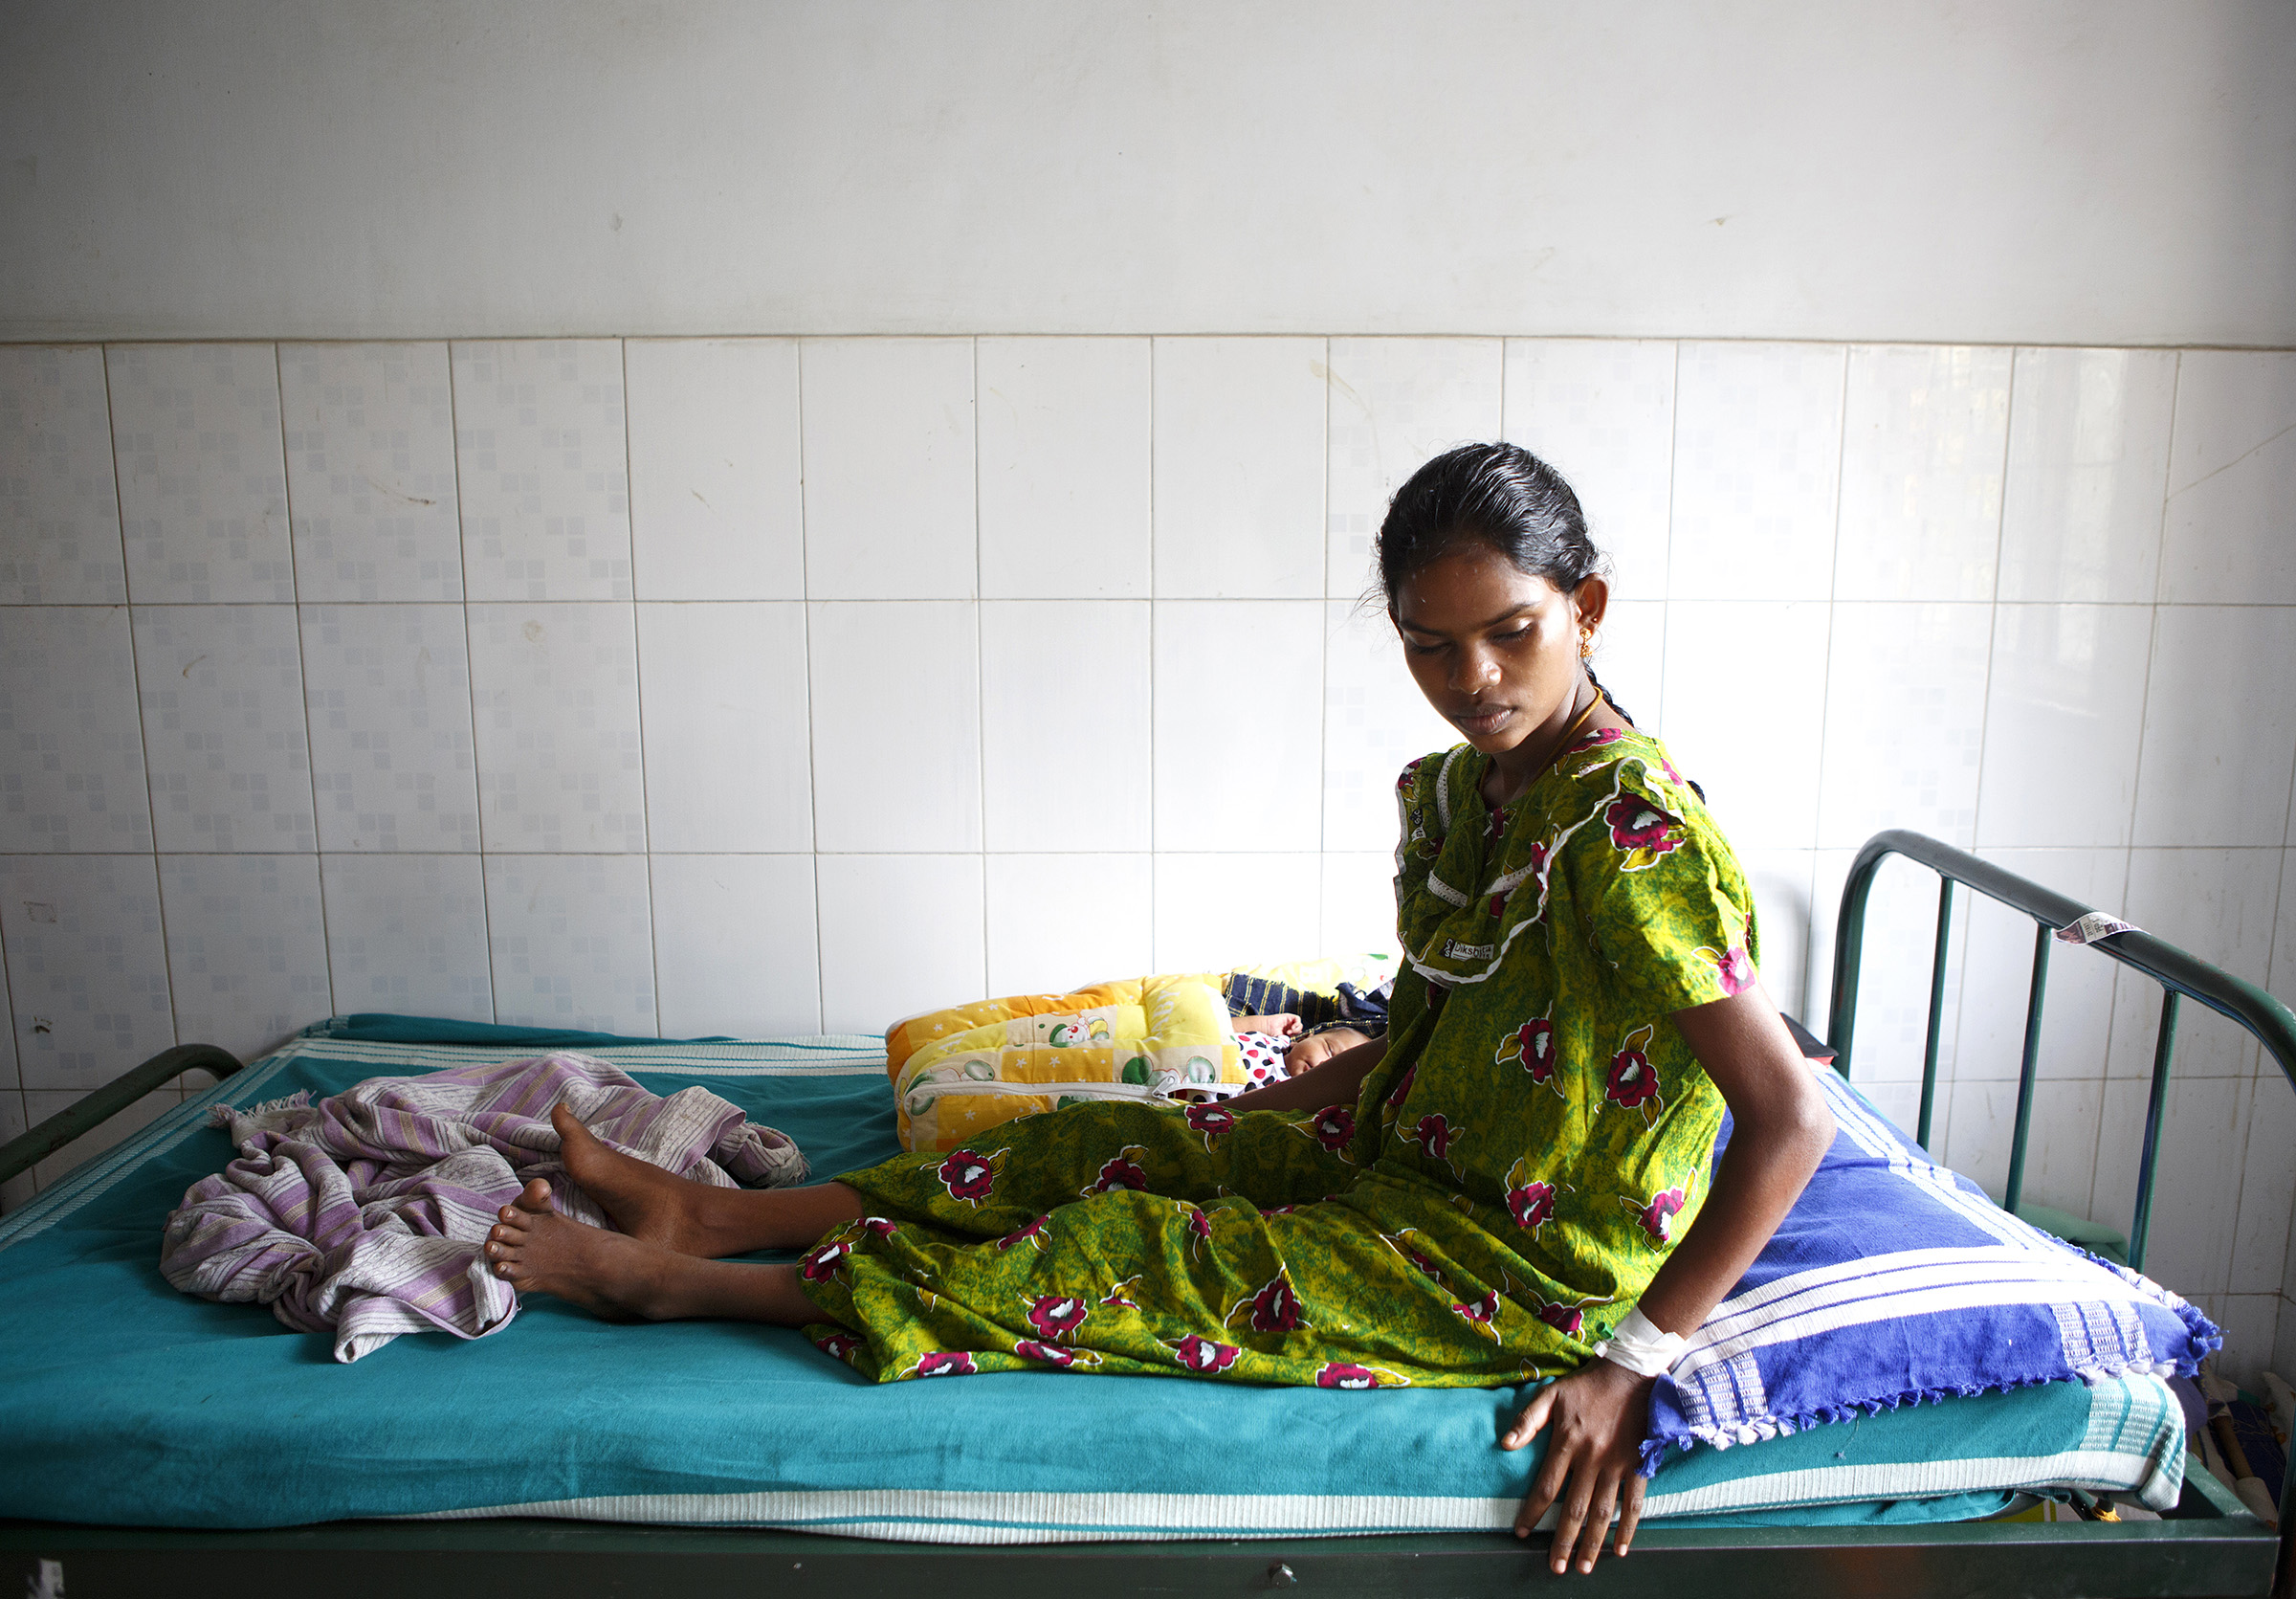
(1494, 649)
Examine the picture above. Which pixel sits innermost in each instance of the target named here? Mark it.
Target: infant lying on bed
(1285, 1030)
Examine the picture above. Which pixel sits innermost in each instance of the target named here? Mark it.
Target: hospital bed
(162, 1444)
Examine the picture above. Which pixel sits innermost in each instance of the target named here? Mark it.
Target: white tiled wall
(761, 684)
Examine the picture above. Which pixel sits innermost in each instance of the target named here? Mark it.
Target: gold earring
(1586, 643)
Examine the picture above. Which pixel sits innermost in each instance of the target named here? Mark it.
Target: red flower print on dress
(1482, 1314)
(1402, 783)
(1436, 1134)
(1567, 1320)
(1402, 1090)
(947, 1363)
(1120, 1171)
(822, 1260)
(1529, 1201)
(968, 1176)
(1345, 1374)
(1202, 1356)
(1672, 776)
(1273, 1307)
(1057, 1315)
(1641, 831)
(1029, 1349)
(1497, 829)
(1733, 967)
(1333, 1126)
(1200, 1229)
(1596, 738)
(1533, 1045)
(1633, 1083)
(1031, 1234)
(840, 1344)
(1213, 1122)
(882, 1227)
(1115, 1297)
(1399, 1242)
(1656, 1213)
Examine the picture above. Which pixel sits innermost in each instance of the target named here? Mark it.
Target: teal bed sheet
(127, 1403)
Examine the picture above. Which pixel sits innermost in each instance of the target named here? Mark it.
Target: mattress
(130, 1403)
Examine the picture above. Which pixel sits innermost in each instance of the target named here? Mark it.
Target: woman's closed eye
(1513, 636)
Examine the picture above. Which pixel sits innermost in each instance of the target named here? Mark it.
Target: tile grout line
(806, 602)
(637, 694)
(1666, 575)
(980, 608)
(470, 674)
(8, 1005)
(303, 672)
(1155, 612)
(1193, 599)
(1833, 583)
(2136, 786)
(1323, 665)
(2260, 1076)
(1993, 631)
(159, 900)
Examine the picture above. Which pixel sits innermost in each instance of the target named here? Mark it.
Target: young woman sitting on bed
(1499, 1192)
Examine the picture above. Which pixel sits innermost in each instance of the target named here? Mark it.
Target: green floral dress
(1510, 1177)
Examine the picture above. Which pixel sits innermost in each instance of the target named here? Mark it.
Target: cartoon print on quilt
(960, 1071)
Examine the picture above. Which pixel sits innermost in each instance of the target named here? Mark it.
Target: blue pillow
(1894, 1280)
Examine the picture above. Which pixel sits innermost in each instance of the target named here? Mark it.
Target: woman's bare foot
(650, 1204)
(661, 1208)
(620, 1277)
(615, 1276)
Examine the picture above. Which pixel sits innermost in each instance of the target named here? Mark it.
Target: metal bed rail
(91, 1111)
(2180, 975)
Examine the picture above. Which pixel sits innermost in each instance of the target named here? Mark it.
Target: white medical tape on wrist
(1640, 1347)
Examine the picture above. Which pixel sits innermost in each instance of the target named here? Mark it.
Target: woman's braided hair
(1500, 495)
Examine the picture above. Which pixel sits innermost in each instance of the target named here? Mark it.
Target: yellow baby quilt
(957, 1071)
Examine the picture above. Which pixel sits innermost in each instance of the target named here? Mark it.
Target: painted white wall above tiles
(835, 679)
(2068, 172)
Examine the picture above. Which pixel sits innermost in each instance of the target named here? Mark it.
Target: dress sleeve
(1663, 901)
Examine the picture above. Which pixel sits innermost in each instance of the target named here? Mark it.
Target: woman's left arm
(1597, 1415)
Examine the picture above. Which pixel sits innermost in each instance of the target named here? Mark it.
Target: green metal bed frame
(2210, 1545)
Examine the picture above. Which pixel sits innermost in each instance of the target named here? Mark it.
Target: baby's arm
(1283, 1024)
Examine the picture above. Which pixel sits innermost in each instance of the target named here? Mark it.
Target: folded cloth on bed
(366, 1213)
(1893, 1279)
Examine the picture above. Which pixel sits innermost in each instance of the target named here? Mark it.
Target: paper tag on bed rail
(2095, 925)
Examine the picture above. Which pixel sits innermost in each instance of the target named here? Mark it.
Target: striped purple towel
(363, 1214)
